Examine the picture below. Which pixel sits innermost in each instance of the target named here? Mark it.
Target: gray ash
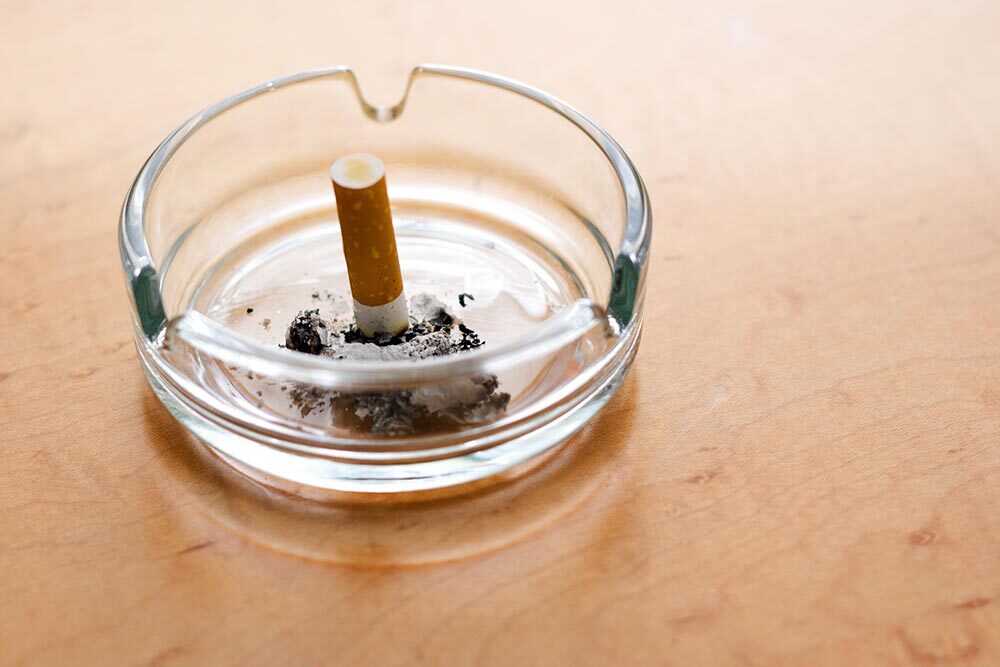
(308, 399)
(433, 332)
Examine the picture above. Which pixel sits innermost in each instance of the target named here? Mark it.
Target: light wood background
(803, 468)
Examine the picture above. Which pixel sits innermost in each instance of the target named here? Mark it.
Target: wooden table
(802, 469)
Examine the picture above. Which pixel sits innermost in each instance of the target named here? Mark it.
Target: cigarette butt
(369, 244)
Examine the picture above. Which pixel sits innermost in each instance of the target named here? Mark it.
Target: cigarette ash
(433, 332)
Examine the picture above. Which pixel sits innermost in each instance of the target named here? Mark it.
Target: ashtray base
(324, 479)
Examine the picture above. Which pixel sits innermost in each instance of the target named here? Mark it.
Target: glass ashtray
(525, 218)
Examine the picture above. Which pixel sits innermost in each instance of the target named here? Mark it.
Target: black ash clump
(463, 297)
(307, 333)
(469, 341)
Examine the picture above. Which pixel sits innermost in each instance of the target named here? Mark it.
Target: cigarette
(369, 244)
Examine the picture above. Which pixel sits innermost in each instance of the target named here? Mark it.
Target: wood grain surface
(802, 469)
